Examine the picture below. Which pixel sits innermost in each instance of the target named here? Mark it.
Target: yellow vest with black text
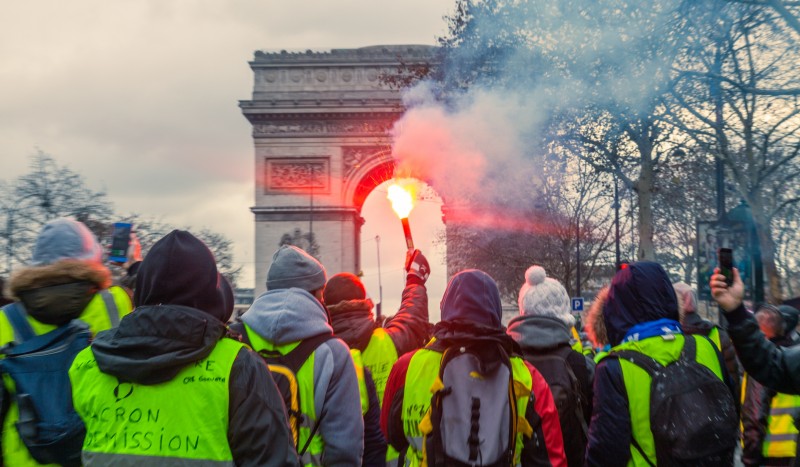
(97, 315)
(305, 381)
(379, 356)
(422, 379)
(637, 384)
(184, 420)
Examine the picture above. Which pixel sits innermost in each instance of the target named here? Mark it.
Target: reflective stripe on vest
(423, 371)
(379, 356)
(111, 308)
(153, 423)
(637, 384)
(362, 383)
(126, 460)
(305, 378)
(781, 435)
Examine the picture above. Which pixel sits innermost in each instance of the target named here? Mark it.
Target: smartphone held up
(120, 240)
(725, 264)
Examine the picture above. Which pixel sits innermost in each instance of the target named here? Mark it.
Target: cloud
(141, 97)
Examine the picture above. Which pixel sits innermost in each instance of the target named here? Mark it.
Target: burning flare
(402, 200)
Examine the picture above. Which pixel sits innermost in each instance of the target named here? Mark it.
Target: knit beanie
(343, 286)
(181, 270)
(293, 267)
(544, 296)
(64, 238)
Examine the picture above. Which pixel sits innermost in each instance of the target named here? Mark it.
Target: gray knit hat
(64, 238)
(293, 267)
(544, 296)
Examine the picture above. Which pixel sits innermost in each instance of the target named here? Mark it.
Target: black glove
(417, 268)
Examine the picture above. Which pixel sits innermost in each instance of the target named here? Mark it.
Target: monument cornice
(257, 117)
(373, 55)
(327, 124)
(322, 213)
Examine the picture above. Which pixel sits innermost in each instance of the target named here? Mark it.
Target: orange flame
(402, 199)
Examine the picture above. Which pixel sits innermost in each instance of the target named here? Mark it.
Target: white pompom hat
(544, 296)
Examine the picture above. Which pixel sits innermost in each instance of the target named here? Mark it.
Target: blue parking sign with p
(577, 303)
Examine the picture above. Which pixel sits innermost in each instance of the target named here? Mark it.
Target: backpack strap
(579, 406)
(17, 317)
(297, 356)
(689, 351)
(294, 360)
(648, 364)
(111, 307)
(638, 447)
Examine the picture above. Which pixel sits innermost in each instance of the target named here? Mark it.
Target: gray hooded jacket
(285, 316)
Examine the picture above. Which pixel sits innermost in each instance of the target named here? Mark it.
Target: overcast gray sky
(140, 97)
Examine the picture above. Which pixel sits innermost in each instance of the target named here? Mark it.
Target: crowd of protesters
(306, 376)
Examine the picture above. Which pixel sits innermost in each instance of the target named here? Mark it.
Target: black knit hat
(181, 270)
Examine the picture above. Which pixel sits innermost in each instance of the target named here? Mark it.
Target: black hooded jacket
(776, 367)
(756, 409)
(182, 305)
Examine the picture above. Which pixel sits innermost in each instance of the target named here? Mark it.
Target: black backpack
(284, 370)
(474, 414)
(692, 412)
(39, 366)
(568, 398)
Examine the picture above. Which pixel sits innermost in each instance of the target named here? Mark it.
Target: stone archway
(320, 129)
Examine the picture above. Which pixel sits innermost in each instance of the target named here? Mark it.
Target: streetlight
(380, 284)
(618, 256)
(578, 254)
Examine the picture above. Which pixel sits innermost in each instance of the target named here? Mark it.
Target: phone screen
(119, 242)
(725, 258)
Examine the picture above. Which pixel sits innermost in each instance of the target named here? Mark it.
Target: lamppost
(578, 256)
(618, 256)
(380, 283)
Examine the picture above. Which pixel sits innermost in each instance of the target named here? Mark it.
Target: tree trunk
(644, 191)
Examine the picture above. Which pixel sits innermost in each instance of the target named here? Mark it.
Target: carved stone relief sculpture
(298, 174)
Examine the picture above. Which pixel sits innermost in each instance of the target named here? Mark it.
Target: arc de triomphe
(320, 127)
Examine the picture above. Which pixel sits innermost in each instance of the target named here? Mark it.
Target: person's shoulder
(336, 347)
